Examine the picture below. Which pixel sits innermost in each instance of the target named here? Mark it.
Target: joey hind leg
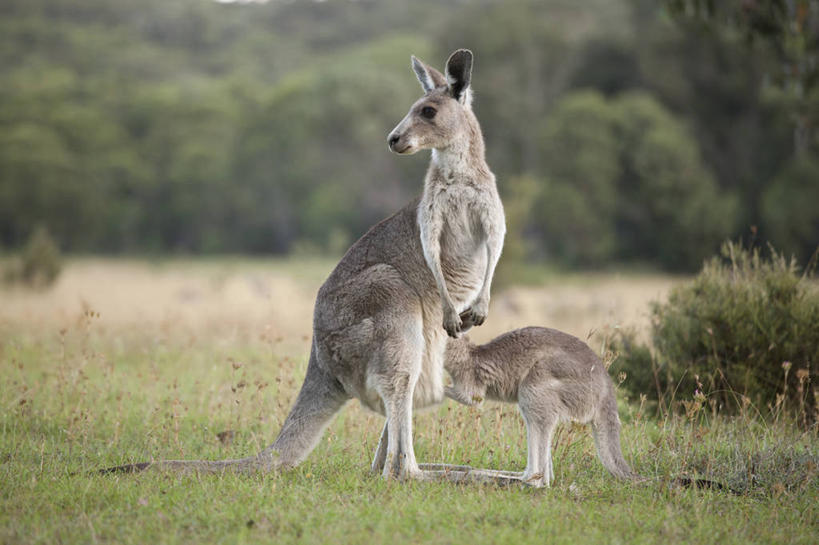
(545, 454)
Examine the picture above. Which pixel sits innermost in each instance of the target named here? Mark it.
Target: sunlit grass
(79, 392)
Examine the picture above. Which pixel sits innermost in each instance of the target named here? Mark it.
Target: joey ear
(429, 77)
(459, 74)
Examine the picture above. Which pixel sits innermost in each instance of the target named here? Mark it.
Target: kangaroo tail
(251, 464)
(321, 396)
(606, 431)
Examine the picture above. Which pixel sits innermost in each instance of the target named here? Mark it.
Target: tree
(625, 180)
(670, 206)
(790, 213)
(577, 206)
(790, 28)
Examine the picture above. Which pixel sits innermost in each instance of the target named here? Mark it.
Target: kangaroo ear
(429, 77)
(459, 74)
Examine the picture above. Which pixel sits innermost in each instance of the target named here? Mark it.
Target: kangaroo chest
(463, 257)
(463, 239)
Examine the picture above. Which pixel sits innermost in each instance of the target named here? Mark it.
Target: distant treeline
(617, 132)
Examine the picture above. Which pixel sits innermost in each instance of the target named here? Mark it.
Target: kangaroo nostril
(393, 139)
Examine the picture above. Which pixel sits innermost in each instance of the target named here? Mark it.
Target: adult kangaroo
(382, 317)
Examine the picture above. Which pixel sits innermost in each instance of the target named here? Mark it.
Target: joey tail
(606, 432)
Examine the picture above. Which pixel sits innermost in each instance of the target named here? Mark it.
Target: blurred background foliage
(620, 131)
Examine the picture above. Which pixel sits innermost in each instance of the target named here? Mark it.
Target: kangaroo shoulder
(391, 241)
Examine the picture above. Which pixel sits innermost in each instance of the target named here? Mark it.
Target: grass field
(125, 361)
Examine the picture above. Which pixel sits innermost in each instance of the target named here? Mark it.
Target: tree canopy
(619, 131)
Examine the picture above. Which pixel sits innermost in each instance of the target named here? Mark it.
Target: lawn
(125, 361)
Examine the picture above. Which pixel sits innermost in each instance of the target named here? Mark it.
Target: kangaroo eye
(428, 112)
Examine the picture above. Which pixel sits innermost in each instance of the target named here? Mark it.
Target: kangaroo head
(458, 357)
(441, 116)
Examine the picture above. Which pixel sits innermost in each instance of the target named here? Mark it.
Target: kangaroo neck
(461, 161)
(478, 365)
(489, 370)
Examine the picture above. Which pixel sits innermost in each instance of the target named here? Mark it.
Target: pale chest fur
(459, 211)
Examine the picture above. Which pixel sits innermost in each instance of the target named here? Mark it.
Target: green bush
(40, 263)
(635, 360)
(746, 329)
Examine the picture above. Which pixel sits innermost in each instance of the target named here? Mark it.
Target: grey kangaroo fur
(382, 317)
(553, 377)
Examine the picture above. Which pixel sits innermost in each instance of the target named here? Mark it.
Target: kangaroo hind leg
(545, 450)
(380, 457)
(533, 474)
(396, 367)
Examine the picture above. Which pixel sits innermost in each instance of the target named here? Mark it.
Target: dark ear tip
(465, 54)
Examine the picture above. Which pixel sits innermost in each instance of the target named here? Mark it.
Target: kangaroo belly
(429, 390)
(429, 386)
(463, 262)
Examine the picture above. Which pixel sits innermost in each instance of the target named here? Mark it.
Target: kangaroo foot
(535, 480)
(399, 467)
(472, 475)
(443, 467)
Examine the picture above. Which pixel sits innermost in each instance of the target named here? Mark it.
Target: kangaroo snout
(399, 143)
(401, 139)
(392, 140)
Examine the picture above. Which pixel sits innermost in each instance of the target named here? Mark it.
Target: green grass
(84, 396)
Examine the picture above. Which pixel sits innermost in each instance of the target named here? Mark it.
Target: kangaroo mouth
(400, 145)
(403, 151)
(402, 148)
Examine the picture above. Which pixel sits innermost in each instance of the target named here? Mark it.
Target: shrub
(40, 263)
(634, 358)
(746, 329)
